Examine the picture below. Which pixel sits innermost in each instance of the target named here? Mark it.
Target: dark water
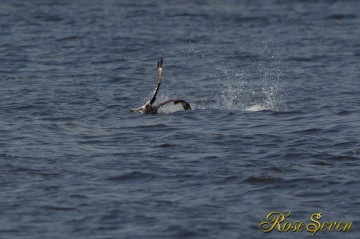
(275, 90)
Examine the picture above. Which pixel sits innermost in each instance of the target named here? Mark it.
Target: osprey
(149, 108)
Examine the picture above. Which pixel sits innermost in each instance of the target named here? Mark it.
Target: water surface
(274, 126)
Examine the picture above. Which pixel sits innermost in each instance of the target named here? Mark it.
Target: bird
(149, 108)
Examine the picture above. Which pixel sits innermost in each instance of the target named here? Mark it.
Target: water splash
(255, 86)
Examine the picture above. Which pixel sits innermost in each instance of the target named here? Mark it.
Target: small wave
(131, 176)
(311, 131)
(58, 208)
(343, 158)
(49, 18)
(321, 163)
(68, 38)
(344, 113)
(2, 155)
(261, 180)
(229, 179)
(153, 127)
(164, 145)
(252, 19)
(285, 113)
(340, 16)
(35, 172)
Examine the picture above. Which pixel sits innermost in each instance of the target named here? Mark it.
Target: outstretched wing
(159, 81)
(184, 104)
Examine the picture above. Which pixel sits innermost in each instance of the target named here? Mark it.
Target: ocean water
(275, 126)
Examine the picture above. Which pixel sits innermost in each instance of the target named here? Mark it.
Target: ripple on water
(132, 177)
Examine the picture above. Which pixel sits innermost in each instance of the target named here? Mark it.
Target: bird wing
(158, 82)
(184, 104)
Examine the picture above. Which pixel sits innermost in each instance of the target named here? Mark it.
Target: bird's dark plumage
(148, 108)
